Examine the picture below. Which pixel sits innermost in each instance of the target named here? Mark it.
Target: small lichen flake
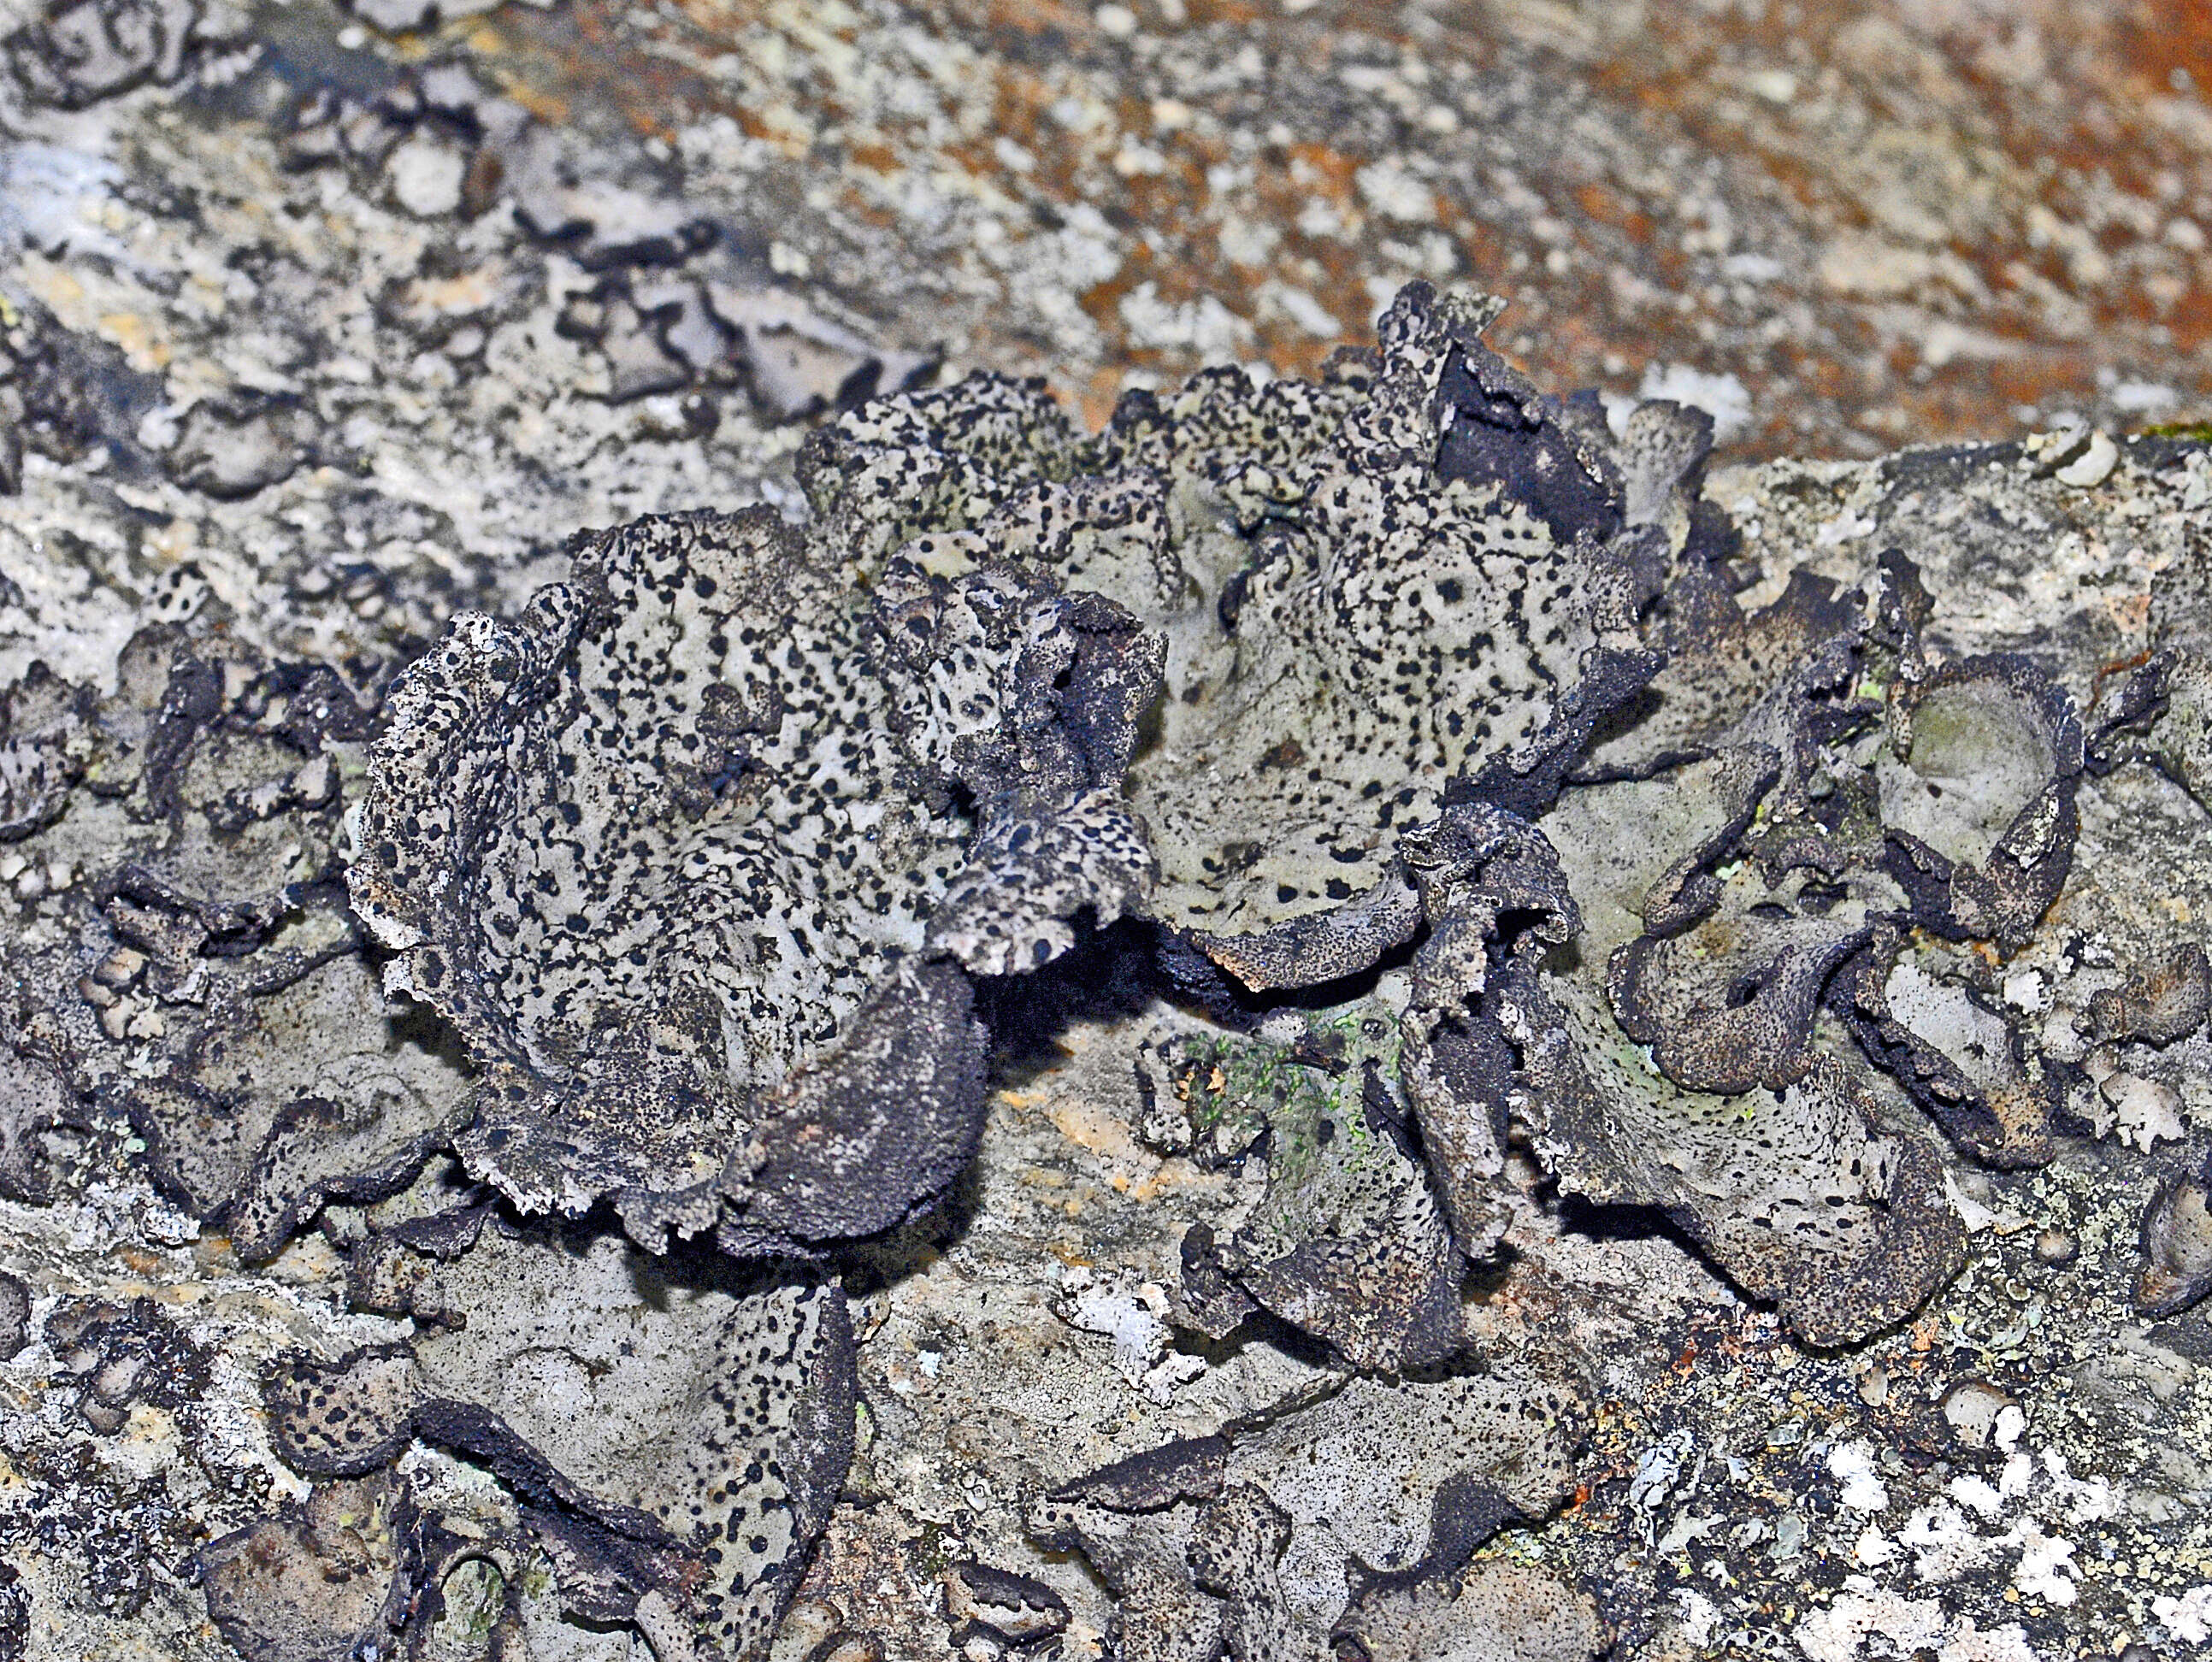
(195, 963)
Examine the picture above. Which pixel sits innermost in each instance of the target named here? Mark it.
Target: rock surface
(1370, 1013)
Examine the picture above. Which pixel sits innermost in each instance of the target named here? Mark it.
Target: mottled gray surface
(1728, 1178)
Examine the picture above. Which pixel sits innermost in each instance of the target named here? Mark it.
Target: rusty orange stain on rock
(2092, 137)
(147, 351)
(1096, 1130)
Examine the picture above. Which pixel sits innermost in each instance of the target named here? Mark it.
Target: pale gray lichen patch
(1137, 1535)
(1976, 792)
(1348, 1242)
(688, 853)
(119, 1357)
(1028, 701)
(1391, 630)
(1799, 1194)
(1234, 1554)
(1357, 612)
(937, 461)
(179, 947)
(1978, 1073)
(675, 1437)
(1727, 1004)
(2163, 713)
(36, 1109)
(2176, 1244)
(2167, 999)
(1675, 1054)
(1270, 1535)
(1495, 1610)
(997, 1606)
(77, 54)
(1729, 673)
(644, 850)
(316, 1578)
(1773, 841)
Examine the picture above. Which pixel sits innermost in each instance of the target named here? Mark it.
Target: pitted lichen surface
(666, 779)
(196, 967)
(679, 1432)
(674, 848)
(1335, 1017)
(646, 850)
(1361, 604)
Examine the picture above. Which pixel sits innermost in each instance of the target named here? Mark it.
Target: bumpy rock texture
(1373, 1015)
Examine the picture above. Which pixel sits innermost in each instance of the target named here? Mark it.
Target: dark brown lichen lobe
(2176, 1245)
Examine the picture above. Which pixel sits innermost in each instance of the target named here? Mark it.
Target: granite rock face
(1379, 1015)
